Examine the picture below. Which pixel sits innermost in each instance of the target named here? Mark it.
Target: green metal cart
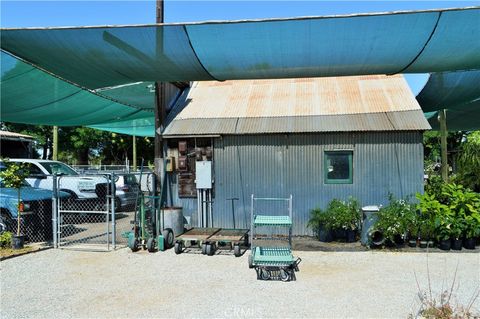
(271, 255)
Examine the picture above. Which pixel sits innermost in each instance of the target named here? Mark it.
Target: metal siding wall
(279, 165)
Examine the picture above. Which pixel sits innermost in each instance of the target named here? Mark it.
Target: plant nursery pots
(445, 244)
(18, 241)
(456, 244)
(469, 243)
(423, 244)
(351, 235)
(325, 235)
(339, 234)
(412, 243)
(430, 244)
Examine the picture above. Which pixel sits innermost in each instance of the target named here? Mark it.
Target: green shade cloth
(109, 71)
(31, 96)
(459, 93)
(408, 42)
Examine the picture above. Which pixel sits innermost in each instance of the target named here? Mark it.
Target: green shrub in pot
(396, 219)
(320, 222)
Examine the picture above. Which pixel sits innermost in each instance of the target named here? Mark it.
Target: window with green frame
(338, 167)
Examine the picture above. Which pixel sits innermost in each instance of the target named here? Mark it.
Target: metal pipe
(210, 206)
(55, 212)
(114, 226)
(199, 216)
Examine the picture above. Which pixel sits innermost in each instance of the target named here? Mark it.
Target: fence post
(114, 226)
(55, 225)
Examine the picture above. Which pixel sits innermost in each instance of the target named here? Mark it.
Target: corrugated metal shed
(360, 103)
(277, 165)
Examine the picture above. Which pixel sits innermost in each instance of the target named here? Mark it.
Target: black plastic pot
(457, 244)
(445, 244)
(325, 235)
(423, 244)
(469, 243)
(412, 243)
(339, 234)
(351, 235)
(18, 241)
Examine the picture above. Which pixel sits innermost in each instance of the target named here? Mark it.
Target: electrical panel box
(203, 174)
(182, 163)
(170, 161)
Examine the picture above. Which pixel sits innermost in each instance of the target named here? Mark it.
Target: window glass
(338, 167)
(59, 168)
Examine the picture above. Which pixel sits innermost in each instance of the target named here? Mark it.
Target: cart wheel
(204, 249)
(178, 247)
(265, 274)
(284, 275)
(151, 245)
(169, 238)
(236, 250)
(133, 244)
(250, 261)
(210, 249)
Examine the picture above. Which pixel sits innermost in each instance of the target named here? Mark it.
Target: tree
(469, 161)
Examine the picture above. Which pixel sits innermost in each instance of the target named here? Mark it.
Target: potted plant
(412, 227)
(426, 233)
(472, 229)
(14, 176)
(351, 220)
(443, 225)
(320, 223)
(456, 231)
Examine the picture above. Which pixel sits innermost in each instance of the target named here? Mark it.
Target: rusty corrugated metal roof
(360, 103)
(12, 135)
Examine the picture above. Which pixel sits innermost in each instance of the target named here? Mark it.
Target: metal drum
(173, 218)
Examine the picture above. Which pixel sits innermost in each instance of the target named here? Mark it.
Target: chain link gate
(85, 218)
(98, 210)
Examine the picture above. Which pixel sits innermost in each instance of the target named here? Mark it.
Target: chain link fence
(92, 211)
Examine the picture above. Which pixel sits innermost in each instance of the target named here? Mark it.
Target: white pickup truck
(82, 188)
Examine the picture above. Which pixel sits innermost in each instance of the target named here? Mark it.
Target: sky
(81, 13)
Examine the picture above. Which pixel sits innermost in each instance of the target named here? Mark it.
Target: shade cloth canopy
(109, 71)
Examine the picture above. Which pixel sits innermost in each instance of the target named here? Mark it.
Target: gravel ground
(122, 284)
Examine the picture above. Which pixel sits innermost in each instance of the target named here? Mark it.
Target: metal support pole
(114, 224)
(160, 111)
(55, 143)
(134, 155)
(443, 143)
(55, 221)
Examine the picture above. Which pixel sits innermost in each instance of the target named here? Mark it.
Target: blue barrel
(369, 218)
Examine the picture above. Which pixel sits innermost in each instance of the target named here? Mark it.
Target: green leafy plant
(319, 219)
(472, 225)
(6, 239)
(344, 214)
(14, 176)
(396, 219)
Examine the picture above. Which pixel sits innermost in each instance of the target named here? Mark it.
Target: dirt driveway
(121, 284)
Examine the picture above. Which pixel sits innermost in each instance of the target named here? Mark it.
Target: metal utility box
(203, 174)
(182, 163)
(170, 164)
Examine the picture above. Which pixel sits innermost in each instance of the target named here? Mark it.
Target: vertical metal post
(199, 209)
(134, 155)
(55, 143)
(290, 213)
(55, 221)
(443, 143)
(114, 224)
(160, 112)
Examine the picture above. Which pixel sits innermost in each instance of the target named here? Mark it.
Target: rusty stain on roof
(355, 103)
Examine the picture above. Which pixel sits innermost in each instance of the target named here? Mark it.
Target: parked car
(35, 202)
(85, 191)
